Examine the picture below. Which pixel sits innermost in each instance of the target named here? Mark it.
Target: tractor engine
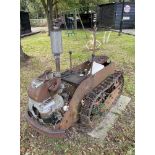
(45, 103)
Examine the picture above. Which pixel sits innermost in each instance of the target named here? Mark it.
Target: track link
(105, 93)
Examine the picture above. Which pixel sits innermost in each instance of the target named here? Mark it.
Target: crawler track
(101, 98)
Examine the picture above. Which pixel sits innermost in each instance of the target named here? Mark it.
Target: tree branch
(45, 6)
(55, 3)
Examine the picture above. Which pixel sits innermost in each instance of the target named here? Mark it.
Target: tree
(24, 5)
(36, 9)
(49, 10)
(23, 56)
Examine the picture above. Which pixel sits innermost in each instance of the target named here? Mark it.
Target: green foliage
(36, 9)
(24, 5)
(78, 4)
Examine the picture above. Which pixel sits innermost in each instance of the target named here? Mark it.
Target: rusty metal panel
(45, 130)
(85, 87)
(74, 78)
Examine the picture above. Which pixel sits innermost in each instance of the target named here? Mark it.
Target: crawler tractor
(58, 100)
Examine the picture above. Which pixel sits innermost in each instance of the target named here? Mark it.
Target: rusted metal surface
(81, 67)
(105, 94)
(85, 87)
(74, 78)
(45, 130)
(106, 81)
(46, 89)
(113, 96)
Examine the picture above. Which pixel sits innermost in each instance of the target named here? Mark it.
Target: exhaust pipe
(57, 49)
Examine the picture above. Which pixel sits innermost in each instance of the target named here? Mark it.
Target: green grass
(121, 50)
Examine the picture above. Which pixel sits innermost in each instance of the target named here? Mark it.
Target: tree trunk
(48, 7)
(56, 11)
(45, 6)
(23, 56)
(48, 23)
(51, 6)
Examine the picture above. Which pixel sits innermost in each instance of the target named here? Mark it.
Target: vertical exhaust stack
(56, 45)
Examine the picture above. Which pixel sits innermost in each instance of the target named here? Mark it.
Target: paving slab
(101, 131)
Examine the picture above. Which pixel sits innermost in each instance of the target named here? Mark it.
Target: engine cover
(44, 87)
(46, 109)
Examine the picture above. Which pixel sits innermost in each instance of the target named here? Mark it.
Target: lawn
(120, 139)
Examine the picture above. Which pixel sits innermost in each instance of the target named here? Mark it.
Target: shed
(86, 18)
(25, 22)
(110, 15)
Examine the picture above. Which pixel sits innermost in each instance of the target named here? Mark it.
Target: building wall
(109, 15)
(128, 17)
(105, 15)
(24, 22)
